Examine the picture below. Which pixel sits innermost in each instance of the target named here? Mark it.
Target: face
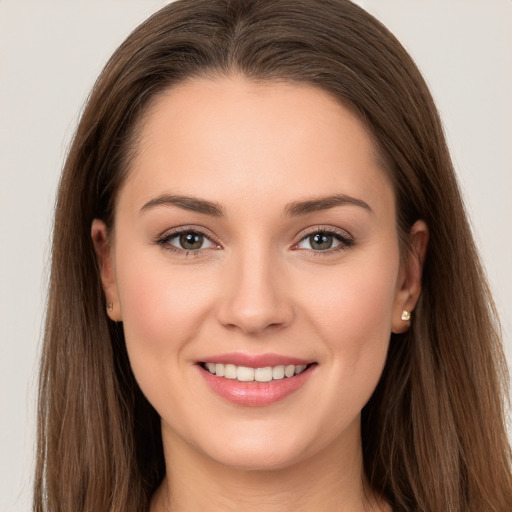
(255, 266)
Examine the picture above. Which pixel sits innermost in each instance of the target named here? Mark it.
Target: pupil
(191, 241)
(321, 241)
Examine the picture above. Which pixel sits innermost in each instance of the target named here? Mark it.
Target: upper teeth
(246, 374)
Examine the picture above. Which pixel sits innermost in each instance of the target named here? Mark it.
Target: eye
(323, 240)
(187, 241)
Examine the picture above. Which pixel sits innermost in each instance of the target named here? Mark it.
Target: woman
(264, 290)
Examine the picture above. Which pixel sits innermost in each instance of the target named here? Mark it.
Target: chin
(255, 459)
(259, 449)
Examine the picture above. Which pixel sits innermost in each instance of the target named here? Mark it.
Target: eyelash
(344, 239)
(165, 242)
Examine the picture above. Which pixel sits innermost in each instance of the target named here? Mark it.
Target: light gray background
(50, 54)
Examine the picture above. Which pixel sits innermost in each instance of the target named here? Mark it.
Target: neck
(332, 480)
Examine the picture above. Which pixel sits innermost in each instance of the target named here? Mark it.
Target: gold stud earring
(406, 315)
(110, 307)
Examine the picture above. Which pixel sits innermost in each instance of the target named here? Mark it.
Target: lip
(254, 360)
(255, 394)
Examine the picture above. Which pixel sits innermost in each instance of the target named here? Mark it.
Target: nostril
(253, 315)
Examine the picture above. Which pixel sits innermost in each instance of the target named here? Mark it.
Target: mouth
(248, 374)
(255, 382)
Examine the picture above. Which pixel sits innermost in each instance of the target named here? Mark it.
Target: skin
(259, 286)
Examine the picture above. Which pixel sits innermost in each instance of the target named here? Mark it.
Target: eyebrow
(294, 209)
(186, 203)
(324, 203)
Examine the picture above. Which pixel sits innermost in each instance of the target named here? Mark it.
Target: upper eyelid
(324, 229)
(174, 232)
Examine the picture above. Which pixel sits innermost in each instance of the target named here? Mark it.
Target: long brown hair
(434, 435)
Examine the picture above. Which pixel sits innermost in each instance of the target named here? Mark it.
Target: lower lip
(255, 394)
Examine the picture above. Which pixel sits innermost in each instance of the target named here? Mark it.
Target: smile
(247, 374)
(255, 381)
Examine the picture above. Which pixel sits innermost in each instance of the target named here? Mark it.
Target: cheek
(353, 317)
(355, 301)
(162, 310)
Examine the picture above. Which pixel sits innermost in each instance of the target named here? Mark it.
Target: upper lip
(254, 360)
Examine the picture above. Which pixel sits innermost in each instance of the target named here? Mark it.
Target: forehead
(261, 140)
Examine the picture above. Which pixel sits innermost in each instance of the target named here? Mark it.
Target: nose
(255, 299)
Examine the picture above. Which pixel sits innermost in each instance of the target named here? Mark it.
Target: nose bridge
(255, 298)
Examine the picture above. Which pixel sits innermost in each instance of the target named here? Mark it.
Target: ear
(104, 253)
(409, 281)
